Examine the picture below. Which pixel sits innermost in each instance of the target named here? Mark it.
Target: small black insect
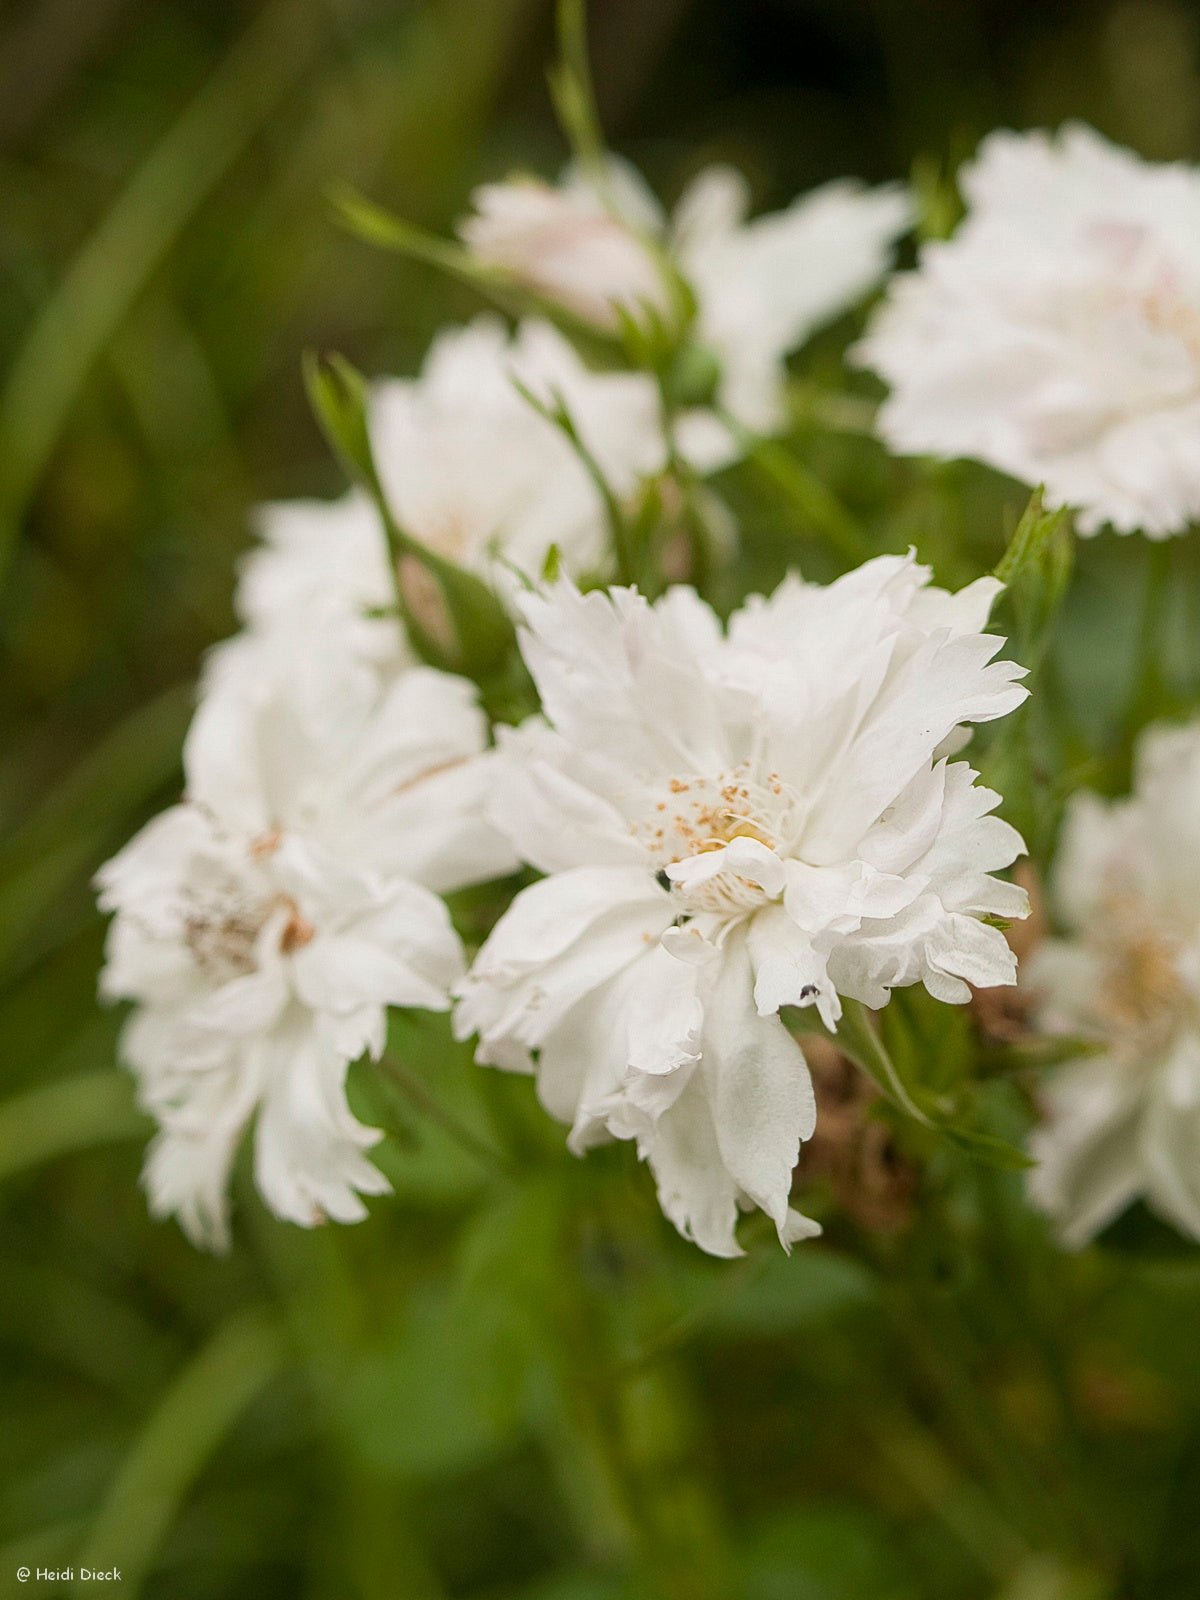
(661, 879)
(809, 992)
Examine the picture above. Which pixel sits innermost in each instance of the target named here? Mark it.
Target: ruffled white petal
(730, 824)
(1056, 336)
(264, 927)
(1125, 1123)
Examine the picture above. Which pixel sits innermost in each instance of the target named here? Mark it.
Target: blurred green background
(498, 1388)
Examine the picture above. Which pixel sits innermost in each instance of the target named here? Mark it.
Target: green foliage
(514, 1382)
(920, 1057)
(483, 636)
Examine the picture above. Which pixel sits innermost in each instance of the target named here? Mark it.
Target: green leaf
(817, 509)
(483, 632)
(411, 1404)
(59, 1118)
(825, 1552)
(507, 1274)
(337, 393)
(939, 205)
(65, 839)
(118, 258)
(375, 225)
(1024, 752)
(557, 413)
(1029, 547)
(986, 1147)
(189, 1422)
(786, 1293)
(904, 1081)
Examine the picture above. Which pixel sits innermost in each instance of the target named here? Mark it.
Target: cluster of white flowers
(335, 786)
(1057, 334)
(728, 821)
(597, 245)
(1124, 1122)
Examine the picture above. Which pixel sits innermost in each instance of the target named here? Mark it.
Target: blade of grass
(57, 1118)
(109, 272)
(120, 773)
(189, 1423)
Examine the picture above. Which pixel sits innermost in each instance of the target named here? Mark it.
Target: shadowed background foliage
(491, 1388)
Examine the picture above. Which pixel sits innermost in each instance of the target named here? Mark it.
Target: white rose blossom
(264, 925)
(728, 824)
(1056, 336)
(763, 286)
(1125, 1123)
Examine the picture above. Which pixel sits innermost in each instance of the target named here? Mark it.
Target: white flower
(1057, 335)
(762, 286)
(318, 601)
(264, 925)
(729, 824)
(1125, 1122)
(471, 469)
(570, 246)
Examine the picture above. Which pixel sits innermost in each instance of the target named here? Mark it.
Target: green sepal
(940, 1109)
(483, 631)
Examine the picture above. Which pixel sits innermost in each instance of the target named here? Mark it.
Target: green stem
(858, 1038)
(812, 500)
(1146, 693)
(622, 1435)
(241, 1358)
(681, 471)
(574, 95)
(415, 1091)
(916, 1457)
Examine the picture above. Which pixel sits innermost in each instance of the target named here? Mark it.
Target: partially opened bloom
(474, 471)
(568, 243)
(264, 925)
(762, 286)
(470, 469)
(1056, 336)
(729, 824)
(1124, 1123)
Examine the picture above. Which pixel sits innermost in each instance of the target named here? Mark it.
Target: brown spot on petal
(297, 932)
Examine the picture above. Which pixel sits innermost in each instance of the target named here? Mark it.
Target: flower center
(1143, 994)
(224, 912)
(699, 816)
(1168, 311)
